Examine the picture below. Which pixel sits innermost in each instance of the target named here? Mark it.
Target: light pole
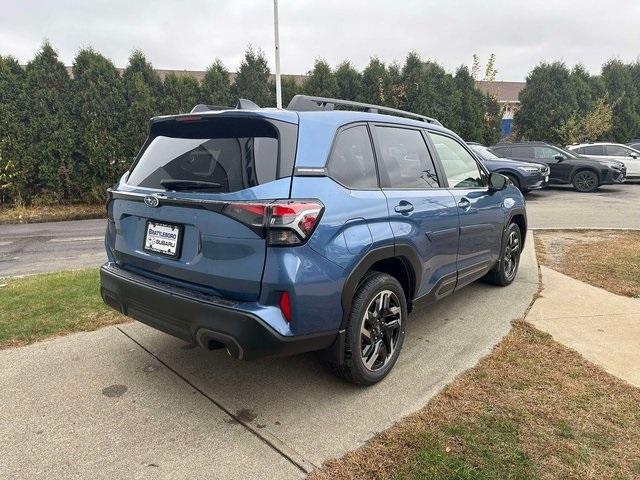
(277, 42)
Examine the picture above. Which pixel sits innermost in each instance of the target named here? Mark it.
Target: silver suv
(612, 151)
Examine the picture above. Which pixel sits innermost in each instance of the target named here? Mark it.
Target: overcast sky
(190, 34)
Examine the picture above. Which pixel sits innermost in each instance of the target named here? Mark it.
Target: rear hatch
(191, 208)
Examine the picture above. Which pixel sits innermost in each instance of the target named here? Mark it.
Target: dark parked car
(526, 176)
(585, 173)
(275, 232)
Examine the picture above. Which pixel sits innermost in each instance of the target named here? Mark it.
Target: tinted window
(501, 151)
(405, 158)
(615, 150)
(351, 161)
(522, 151)
(545, 153)
(460, 167)
(593, 150)
(234, 154)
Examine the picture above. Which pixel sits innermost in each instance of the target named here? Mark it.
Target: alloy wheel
(380, 330)
(585, 181)
(511, 255)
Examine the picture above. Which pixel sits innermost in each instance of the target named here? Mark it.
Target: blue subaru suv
(275, 232)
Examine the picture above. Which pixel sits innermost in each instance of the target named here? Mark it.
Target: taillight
(282, 222)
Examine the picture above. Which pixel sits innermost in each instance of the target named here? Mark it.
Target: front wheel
(585, 181)
(376, 329)
(504, 272)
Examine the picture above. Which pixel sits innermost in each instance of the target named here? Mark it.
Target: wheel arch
(583, 168)
(399, 261)
(519, 217)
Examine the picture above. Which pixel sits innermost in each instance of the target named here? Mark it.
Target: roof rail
(307, 103)
(243, 104)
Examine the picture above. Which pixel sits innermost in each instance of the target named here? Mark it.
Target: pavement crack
(304, 466)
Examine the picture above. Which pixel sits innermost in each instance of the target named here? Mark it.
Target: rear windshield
(217, 155)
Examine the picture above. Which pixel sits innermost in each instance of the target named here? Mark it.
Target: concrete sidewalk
(602, 326)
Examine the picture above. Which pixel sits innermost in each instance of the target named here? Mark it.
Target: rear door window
(596, 150)
(352, 163)
(522, 152)
(405, 158)
(460, 167)
(221, 155)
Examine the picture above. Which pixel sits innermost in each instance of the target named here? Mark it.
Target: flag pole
(277, 43)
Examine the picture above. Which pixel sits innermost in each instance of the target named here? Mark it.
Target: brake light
(282, 222)
(285, 305)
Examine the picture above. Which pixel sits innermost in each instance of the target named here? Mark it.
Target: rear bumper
(211, 322)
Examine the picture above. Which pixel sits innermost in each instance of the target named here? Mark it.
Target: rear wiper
(188, 184)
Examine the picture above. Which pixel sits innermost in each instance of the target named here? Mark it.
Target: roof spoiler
(243, 104)
(307, 103)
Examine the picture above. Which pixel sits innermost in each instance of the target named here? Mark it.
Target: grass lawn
(53, 213)
(533, 409)
(42, 306)
(608, 259)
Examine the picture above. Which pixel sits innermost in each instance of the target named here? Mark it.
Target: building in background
(506, 93)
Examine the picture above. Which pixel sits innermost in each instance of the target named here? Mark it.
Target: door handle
(464, 203)
(404, 207)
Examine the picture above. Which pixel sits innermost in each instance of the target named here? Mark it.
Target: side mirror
(559, 157)
(497, 182)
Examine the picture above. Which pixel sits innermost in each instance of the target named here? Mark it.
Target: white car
(612, 151)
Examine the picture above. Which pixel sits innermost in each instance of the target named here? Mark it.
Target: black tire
(585, 181)
(358, 367)
(506, 269)
(513, 179)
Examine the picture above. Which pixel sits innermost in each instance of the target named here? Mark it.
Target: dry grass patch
(608, 259)
(53, 213)
(533, 409)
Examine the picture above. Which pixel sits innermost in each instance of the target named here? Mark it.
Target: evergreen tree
(252, 81)
(547, 102)
(143, 89)
(321, 81)
(97, 107)
(216, 87)
(623, 93)
(348, 81)
(289, 89)
(12, 130)
(375, 83)
(469, 114)
(47, 164)
(180, 94)
(492, 120)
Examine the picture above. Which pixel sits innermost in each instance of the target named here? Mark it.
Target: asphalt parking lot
(611, 206)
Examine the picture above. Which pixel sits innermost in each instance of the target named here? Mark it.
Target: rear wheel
(585, 181)
(504, 273)
(376, 329)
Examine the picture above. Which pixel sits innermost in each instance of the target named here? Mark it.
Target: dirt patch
(532, 409)
(608, 259)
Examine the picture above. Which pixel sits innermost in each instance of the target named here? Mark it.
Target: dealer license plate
(163, 238)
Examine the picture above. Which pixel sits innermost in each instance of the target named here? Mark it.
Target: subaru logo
(151, 201)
